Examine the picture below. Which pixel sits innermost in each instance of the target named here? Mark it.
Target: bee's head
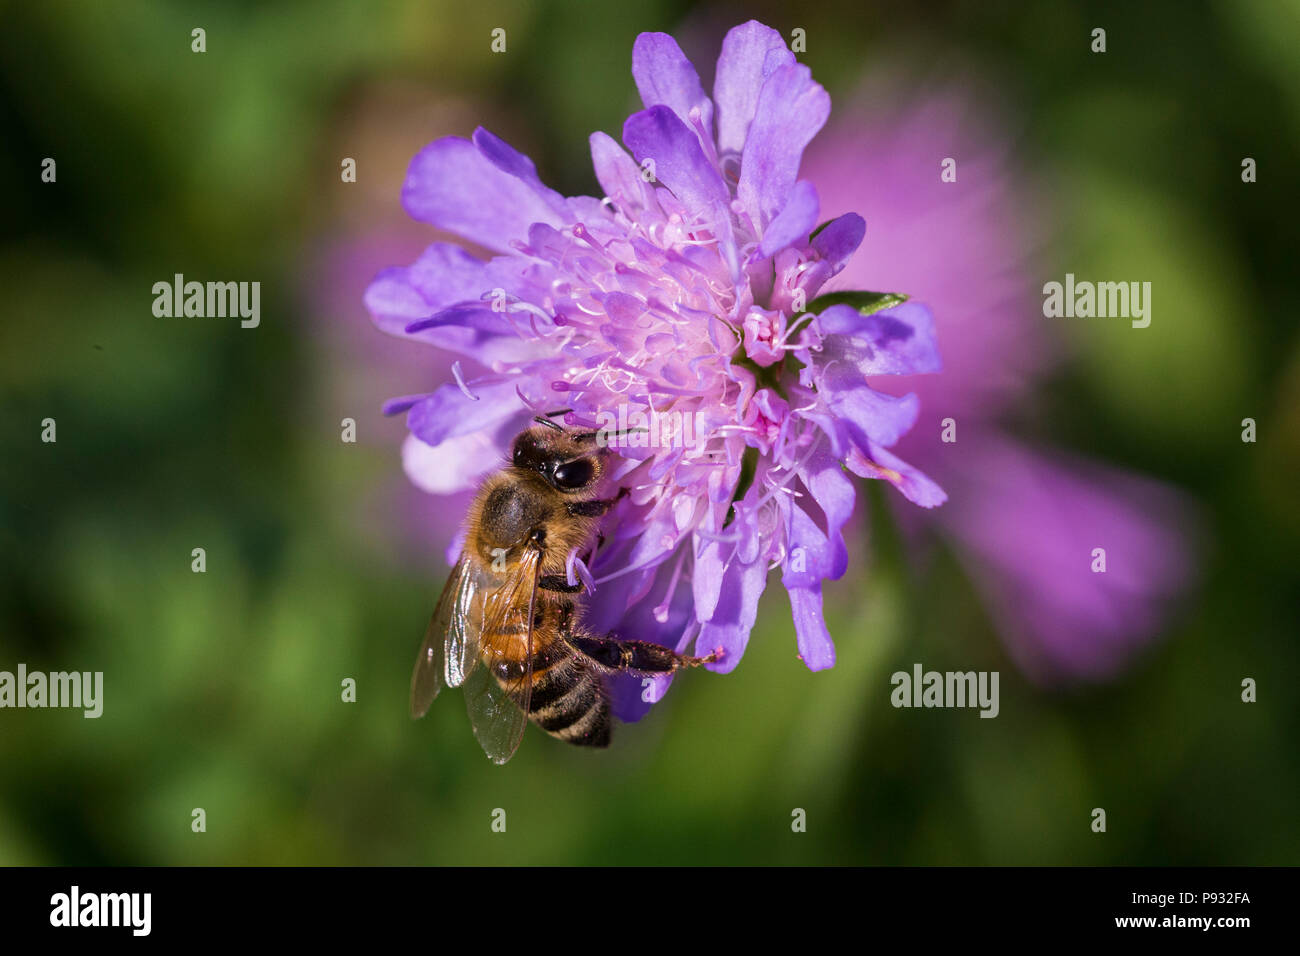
(568, 460)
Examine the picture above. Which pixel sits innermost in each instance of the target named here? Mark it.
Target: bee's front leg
(640, 656)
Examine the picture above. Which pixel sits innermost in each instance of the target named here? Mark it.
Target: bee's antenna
(591, 436)
(548, 423)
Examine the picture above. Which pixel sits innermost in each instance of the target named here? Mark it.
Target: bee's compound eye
(574, 474)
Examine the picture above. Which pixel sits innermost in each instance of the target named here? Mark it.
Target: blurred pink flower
(1024, 520)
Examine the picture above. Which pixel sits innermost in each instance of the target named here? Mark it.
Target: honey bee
(508, 626)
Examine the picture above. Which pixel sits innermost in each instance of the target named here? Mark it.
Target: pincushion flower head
(686, 294)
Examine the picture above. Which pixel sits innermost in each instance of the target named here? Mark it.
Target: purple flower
(684, 294)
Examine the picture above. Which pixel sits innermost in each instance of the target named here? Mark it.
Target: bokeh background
(222, 689)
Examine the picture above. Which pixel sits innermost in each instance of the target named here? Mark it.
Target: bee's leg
(558, 582)
(635, 655)
(594, 509)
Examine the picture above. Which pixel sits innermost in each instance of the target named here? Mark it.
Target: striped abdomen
(569, 699)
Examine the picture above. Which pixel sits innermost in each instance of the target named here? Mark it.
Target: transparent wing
(466, 625)
(497, 694)
(450, 647)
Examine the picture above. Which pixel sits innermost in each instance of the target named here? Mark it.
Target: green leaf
(864, 302)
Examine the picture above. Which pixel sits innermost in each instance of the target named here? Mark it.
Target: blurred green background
(222, 690)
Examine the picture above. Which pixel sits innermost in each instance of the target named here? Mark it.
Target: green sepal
(865, 302)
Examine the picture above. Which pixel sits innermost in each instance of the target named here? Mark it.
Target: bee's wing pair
(475, 603)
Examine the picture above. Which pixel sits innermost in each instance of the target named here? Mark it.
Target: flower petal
(458, 464)
(916, 487)
(451, 184)
(895, 341)
(679, 163)
(816, 649)
(449, 412)
(750, 53)
(664, 76)
(707, 578)
(407, 296)
(727, 631)
(478, 317)
(791, 109)
(794, 222)
(509, 160)
(869, 415)
(443, 275)
(618, 174)
(812, 558)
(833, 490)
(839, 239)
